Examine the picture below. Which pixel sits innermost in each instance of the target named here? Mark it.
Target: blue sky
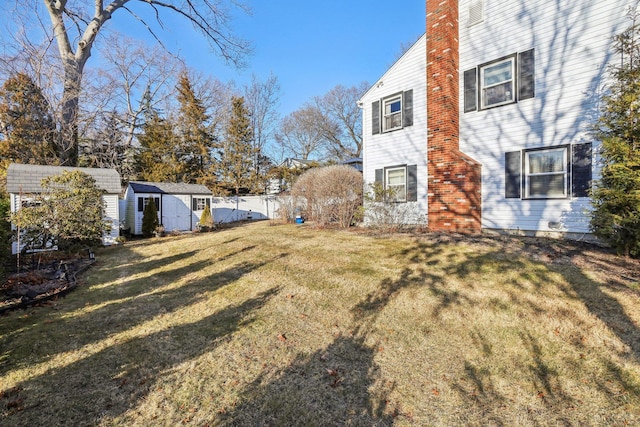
(311, 46)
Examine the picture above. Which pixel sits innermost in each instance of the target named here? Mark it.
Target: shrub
(329, 195)
(69, 213)
(150, 218)
(382, 214)
(206, 220)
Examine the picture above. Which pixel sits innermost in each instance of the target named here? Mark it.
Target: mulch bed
(39, 285)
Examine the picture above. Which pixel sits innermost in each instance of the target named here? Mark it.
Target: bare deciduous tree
(300, 135)
(76, 25)
(339, 120)
(262, 100)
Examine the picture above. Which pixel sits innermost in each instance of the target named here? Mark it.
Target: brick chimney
(454, 179)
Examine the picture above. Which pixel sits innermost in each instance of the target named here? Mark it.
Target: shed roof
(23, 178)
(168, 188)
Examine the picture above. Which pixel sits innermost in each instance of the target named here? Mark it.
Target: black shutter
(581, 171)
(470, 90)
(513, 165)
(412, 183)
(375, 117)
(379, 184)
(407, 108)
(194, 204)
(140, 204)
(157, 202)
(526, 78)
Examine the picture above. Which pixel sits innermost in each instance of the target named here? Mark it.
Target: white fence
(241, 208)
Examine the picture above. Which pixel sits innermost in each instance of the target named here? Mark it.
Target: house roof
(380, 81)
(355, 162)
(23, 178)
(168, 188)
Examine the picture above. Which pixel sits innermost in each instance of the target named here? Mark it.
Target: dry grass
(286, 325)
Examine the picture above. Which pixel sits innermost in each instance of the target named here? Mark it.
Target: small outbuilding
(24, 182)
(179, 205)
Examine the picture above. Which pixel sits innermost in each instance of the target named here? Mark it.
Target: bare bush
(381, 213)
(329, 195)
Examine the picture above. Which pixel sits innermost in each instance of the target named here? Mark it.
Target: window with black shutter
(526, 81)
(500, 82)
(581, 169)
(412, 183)
(544, 173)
(392, 113)
(407, 108)
(375, 117)
(470, 90)
(513, 165)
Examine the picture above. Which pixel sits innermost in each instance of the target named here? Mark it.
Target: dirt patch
(38, 285)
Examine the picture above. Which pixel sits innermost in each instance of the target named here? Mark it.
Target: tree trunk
(68, 142)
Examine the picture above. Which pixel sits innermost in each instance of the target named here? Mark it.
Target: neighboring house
(179, 206)
(500, 131)
(355, 162)
(278, 185)
(24, 181)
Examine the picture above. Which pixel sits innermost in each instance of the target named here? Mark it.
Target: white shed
(24, 181)
(179, 205)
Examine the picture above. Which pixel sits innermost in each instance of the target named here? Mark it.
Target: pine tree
(238, 151)
(157, 159)
(27, 127)
(616, 197)
(196, 140)
(206, 220)
(150, 218)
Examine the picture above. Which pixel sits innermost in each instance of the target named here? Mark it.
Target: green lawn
(287, 325)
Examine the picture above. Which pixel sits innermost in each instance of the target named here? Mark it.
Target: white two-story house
(504, 97)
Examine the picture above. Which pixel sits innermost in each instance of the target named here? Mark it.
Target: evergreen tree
(69, 213)
(616, 197)
(206, 220)
(157, 159)
(27, 127)
(238, 151)
(196, 140)
(150, 218)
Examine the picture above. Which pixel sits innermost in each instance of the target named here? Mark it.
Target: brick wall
(454, 178)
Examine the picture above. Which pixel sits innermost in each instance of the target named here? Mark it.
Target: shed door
(176, 212)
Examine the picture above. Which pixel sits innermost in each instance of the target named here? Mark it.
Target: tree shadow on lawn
(108, 383)
(121, 306)
(327, 388)
(430, 266)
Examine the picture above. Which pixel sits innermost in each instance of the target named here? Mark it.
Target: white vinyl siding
(406, 145)
(569, 75)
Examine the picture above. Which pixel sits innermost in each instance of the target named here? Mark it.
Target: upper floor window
(497, 82)
(504, 81)
(392, 113)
